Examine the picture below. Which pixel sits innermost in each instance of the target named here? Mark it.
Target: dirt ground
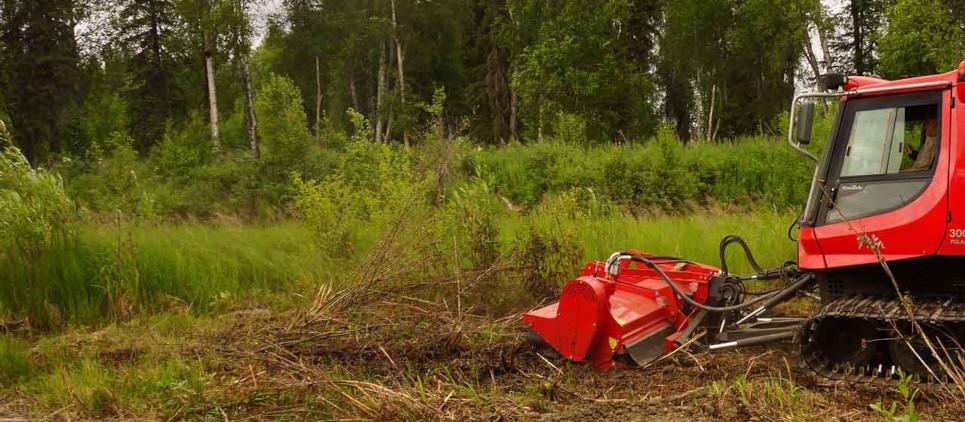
(412, 361)
(405, 361)
(394, 357)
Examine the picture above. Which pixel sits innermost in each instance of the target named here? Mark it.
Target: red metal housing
(633, 314)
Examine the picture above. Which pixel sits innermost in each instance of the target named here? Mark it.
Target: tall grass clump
(194, 266)
(55, 270)
(34, 230)
(15, 362)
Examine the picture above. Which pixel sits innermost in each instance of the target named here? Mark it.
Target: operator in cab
(923, 157)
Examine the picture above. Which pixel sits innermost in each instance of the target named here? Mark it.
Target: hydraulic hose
(683, 295)
(727, 241)
(790, 228)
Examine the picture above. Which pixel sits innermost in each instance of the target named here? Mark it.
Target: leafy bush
(549, 247)
(182, 150)
(34, 209)
(330, 207)
(111, 178)
(282, 124)
(473, 210)
(372, 185)
(659, 174)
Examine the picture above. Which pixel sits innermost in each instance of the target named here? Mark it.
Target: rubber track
(883, 310)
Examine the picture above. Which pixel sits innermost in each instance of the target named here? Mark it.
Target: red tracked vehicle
(892, 175)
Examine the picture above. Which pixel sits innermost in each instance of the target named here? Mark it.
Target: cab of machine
(893, 170)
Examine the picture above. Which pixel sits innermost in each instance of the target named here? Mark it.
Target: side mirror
(805, 121)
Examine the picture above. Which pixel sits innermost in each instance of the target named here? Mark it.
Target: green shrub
(182, 150)
(659, 174)
(571, 129)
(331, 208)
(373, 184)
(112, 178)
(548, 246)
(473, 210)
(282, 124)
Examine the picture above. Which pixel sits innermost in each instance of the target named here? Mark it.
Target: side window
(891, 140)
(888, 154)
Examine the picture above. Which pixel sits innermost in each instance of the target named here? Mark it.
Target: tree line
(74, 73)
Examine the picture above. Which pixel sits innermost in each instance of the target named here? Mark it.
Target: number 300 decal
(956, 233)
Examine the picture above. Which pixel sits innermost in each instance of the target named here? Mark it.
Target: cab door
(887, 178)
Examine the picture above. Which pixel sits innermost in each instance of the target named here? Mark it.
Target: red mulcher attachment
(625, 311)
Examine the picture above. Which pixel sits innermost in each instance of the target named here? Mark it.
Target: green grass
(106, 273)
(15, 363)
(695, 236)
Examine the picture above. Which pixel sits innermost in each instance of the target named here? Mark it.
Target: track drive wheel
(910, 353)
(845, 341)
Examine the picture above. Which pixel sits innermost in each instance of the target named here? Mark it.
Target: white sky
(261, 12)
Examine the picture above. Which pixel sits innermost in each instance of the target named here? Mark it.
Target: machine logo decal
(957, 236)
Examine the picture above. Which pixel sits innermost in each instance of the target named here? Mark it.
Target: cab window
(891, 140)
(884, 154)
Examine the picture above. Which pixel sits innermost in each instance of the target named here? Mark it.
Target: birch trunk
(809, 54)
(251, 121)
(212, 92)
(710, 114)
(823, 40)
(242, 49)
(380, 94)
(400, 62)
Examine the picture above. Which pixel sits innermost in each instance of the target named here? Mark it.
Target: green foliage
(570, 129)
(111, 178)
(283, 127)
(922, 38)
(474, 210)
(180, 150)
(548, 245)
(15, 362)
(99, 117)
(661, 174)
(39, 72)
(331, 208)
(34, 209)
(372, 185)
(577, 63)
(154, 93)
(741, 55)
(362, 129)
(903, 411)
(35, 217)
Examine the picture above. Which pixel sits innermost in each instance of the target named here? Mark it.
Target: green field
(379, 291)
(226, 322)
